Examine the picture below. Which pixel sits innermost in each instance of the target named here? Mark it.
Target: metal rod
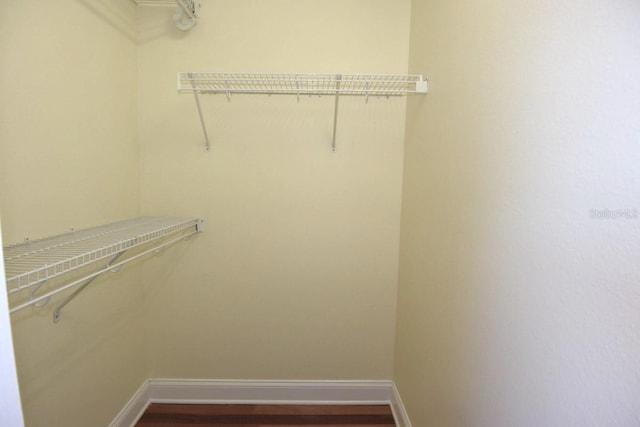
(335, 112)
(33, 292)
(204, 127)
(188, 8)
(56, 312)
(99, 272)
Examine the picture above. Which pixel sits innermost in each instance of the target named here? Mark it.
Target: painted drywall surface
(68, 117)
(295, 275)
(519, 291)
(68, 158)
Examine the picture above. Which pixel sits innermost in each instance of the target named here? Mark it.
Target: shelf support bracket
(196, 94)
(33, 295)
(56, 312)
(335, 112)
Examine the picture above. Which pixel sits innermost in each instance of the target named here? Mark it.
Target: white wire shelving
(31, 264)
(337, 85)
(302, 84)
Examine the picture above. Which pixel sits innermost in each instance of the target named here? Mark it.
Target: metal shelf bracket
(335, 112)
(56, 312)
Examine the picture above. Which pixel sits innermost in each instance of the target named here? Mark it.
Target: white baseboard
(398, 409)
(261, 392)
(135, 407)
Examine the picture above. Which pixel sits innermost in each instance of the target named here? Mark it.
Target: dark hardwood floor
(165, 415)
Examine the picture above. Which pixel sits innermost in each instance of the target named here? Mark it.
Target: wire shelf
(302, 84)
(34, 262)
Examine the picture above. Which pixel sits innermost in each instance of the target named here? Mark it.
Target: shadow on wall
(118, 14)
(139, 24)
(61, 366)
(156, 22)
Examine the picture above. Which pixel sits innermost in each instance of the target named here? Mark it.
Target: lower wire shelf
(30, 265)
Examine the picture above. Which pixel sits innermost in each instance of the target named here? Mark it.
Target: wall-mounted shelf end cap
(422, 85)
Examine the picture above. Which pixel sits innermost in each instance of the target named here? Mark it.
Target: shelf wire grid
(299, 84)
(33, 262)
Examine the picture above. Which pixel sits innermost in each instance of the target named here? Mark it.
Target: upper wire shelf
(32, 263)
(299, 84)
(302, 84)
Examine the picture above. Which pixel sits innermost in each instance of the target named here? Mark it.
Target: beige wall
(516, 306)
(295, 275)
(68, 158)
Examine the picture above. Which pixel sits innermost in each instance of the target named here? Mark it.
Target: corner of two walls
(295, 276)
(518, 293)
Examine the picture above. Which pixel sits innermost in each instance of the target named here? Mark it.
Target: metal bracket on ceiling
(185, 16)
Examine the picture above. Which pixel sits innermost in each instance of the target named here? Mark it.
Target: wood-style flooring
(165, 415)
